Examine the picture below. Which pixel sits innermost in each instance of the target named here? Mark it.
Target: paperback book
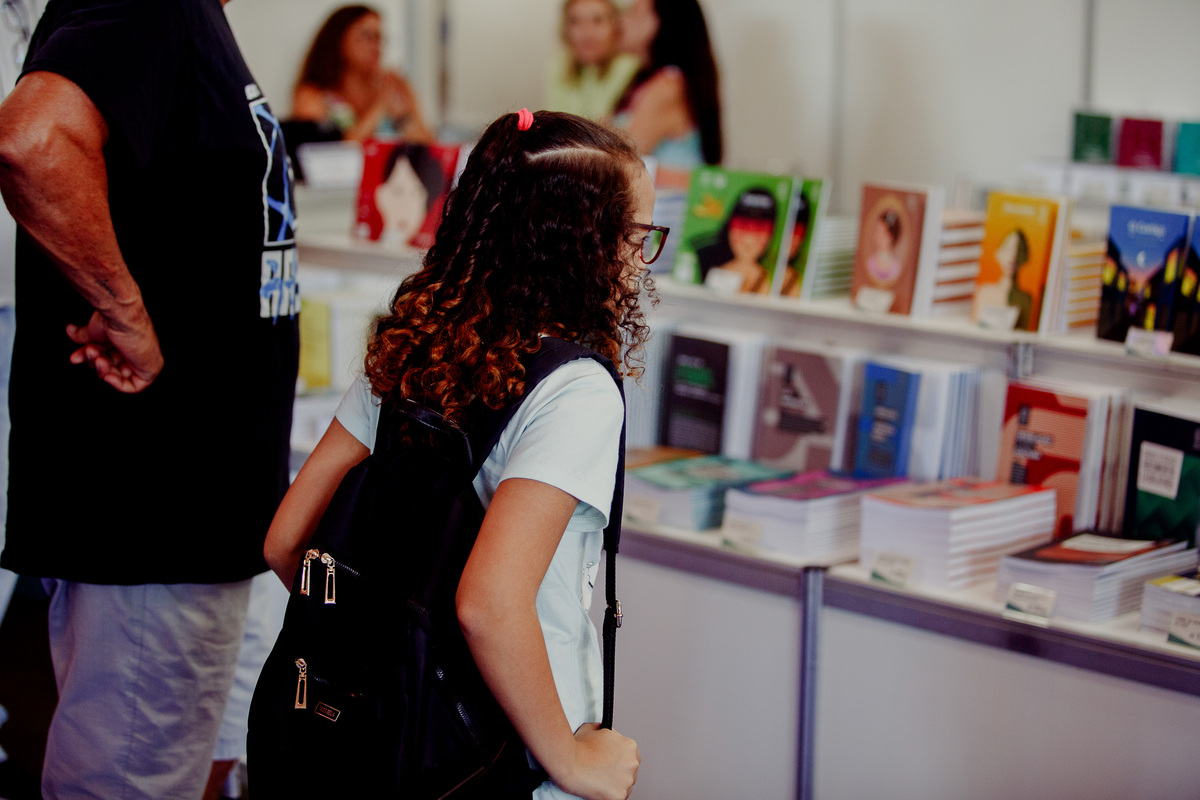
(811, 208)
(1140, 143)
(886, 421)
(1093, 140)
(736, 230)
(1165, 596)
(1186, 325)
(807, 411)
(897, 248)
(1023, 240)
(1187, 148)
(1162, 496)
(711, 390)
(1142, 272)
(403, 189)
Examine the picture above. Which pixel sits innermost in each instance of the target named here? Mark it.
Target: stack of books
(1166, 596)
(1081, 292)
(1095, 577)
(688, 493)
(830, 273)
(961, 245)
(814, 515)
(955, 531)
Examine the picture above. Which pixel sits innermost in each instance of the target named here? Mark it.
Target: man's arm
(55, 184)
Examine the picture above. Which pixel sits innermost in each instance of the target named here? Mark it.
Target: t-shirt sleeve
(569, 440)
(125, 55)
(359, 412)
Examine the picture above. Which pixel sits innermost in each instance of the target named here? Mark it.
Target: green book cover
(1187, 148)
(1093, 138)
(807, 218)
(707, 472)
(733, 228)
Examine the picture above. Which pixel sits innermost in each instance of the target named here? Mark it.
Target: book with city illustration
(1142, 271)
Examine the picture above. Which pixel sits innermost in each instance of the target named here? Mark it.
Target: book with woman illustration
(812, 203)
(1023, 240)
(895, 264)
(403, 188)
(735, 225)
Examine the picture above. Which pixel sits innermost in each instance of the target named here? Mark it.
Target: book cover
(694, 401)
(644, 456)
(1019, 236)
(706, 473)
(1186, 325)
(1140, 143)
(1162, 495)
(1092, 550)
(1041, 443)
(1142, 270)
(892, 245)
(953, 493)
(1187, 148)
(809, 220)
(816, 485)
(403, 189)
(804, 393)
(885, 422)
(1092, 141)
(733, 229)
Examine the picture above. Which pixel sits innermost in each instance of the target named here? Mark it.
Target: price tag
(741, 532)
(1153, 344)
(1029, 603)
(642, 509)
(892, 568)
(1185, 630)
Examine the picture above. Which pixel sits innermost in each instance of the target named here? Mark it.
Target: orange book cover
(1018, 245)
(1041, 443)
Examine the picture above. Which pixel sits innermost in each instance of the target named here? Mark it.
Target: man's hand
(126, 357)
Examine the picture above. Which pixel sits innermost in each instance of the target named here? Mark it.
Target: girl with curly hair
(543, 236)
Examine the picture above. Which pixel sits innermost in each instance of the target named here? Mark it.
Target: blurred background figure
(344, 89)
(671, 107)
(589, 75)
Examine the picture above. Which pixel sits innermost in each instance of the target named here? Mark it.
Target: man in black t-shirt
(153, 374)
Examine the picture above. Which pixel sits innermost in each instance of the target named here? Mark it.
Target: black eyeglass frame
(663, 229)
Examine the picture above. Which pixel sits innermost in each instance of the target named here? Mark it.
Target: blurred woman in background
(589, 75)
(343, 83)
(671, 107)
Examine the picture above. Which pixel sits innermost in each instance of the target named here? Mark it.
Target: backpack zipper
(306, 571)
(302, 684)
(331, 565)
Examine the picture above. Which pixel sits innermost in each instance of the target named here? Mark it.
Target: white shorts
(143, 673)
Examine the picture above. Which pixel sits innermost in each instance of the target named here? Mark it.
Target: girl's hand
(606, 764)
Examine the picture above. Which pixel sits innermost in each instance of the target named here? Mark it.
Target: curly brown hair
(323, 65)
(537, 238)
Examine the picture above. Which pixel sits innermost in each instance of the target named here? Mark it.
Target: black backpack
(370, 690)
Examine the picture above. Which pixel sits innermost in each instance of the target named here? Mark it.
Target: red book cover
(1041, 443)
(403, 189)
(1140, 143)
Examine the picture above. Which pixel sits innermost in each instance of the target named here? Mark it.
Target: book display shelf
(743, 669)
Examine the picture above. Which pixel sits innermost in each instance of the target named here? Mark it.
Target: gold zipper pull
(306, 572)
(330, 581)
(302, 684)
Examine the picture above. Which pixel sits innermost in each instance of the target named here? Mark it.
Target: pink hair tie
(524, 119)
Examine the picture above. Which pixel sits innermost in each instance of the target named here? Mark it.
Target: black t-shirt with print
(178, 483)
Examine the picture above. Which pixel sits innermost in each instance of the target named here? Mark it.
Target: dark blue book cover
(1187, 300)
(1142, 272)
(885, 426)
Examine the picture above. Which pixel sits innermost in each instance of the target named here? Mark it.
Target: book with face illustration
(1023, 238)
(403, 189)
(896, 259)
(812, 202)
(734, 227)
(1143, 271)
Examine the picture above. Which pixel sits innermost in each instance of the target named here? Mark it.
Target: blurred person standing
(153, 377)
(343, 84)
(588, 75)
(672, 106)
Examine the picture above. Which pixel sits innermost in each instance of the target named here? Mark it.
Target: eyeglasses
(653, 241)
